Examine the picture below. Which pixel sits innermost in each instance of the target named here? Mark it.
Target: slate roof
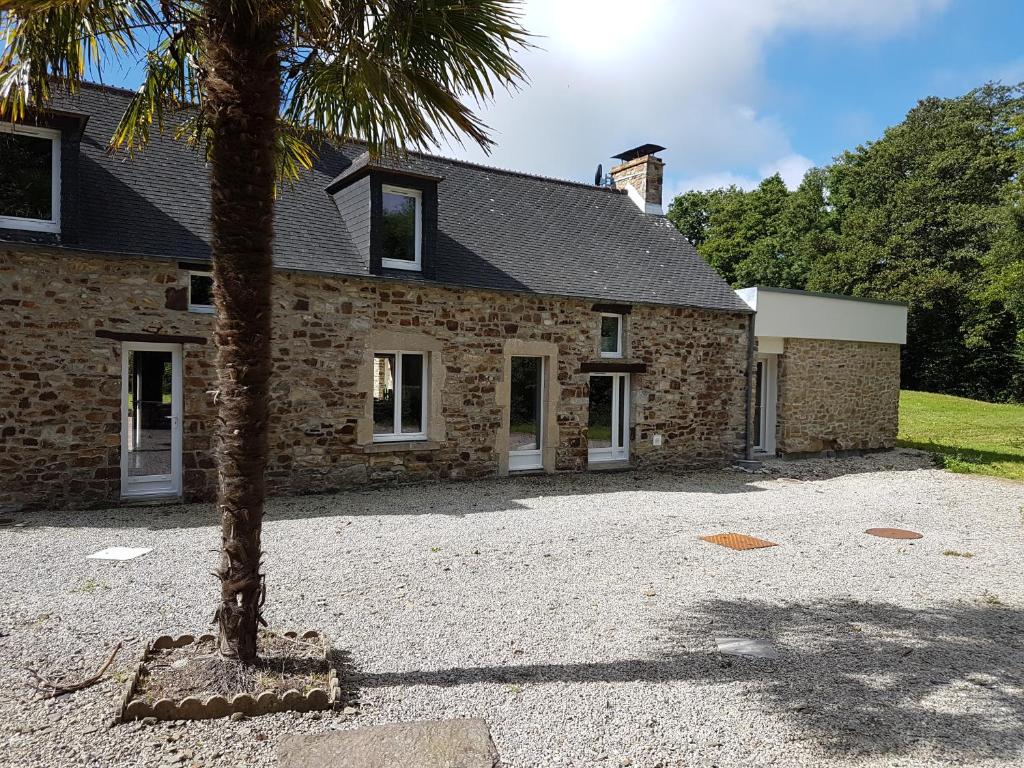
(498, 229)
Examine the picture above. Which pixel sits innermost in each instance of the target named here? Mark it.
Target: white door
(608, 424)
(151, 419)
(526, 414)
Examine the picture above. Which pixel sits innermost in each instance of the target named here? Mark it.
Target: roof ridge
(105, 87)
(498, 169)
(420, 153)
(521, 174)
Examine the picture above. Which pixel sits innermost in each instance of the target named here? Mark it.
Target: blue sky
(836, 92)
(740, 89)
(735, 89)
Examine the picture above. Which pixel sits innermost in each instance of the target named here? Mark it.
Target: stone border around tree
(210, 707)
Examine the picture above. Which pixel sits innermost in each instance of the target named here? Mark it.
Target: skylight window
(402, 229)
(29, 178)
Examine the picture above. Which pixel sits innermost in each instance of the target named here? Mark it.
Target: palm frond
(399, 74)
(395, 74)
(46, 40)
(295, 152)
(170, 84)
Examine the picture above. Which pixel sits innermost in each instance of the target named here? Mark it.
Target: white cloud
(790, 167)
(686, 74)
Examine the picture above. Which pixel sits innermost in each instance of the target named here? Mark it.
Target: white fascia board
(770, 345)
(803, 315)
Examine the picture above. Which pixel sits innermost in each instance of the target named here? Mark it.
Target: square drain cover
(738, 541)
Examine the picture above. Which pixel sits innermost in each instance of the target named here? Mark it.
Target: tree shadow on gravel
(855, 678)
(459, 498)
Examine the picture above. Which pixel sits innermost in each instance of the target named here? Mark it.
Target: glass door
(525, 438)
(759, 409)
(151, 423)
(608, 424)
(764, 397)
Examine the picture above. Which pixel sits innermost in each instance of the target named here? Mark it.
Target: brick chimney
(641, 174)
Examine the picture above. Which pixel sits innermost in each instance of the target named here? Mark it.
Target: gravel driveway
(577, 614)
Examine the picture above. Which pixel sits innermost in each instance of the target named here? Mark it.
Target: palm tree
(262, 82)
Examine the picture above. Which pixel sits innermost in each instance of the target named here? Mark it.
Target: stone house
(434, 319)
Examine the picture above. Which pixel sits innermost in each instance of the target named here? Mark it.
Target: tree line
(932, 214)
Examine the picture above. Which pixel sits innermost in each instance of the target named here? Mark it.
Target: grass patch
(968, 436)
(90, 585)
(954, 553)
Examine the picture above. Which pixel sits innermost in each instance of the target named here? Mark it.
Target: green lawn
(966, 435)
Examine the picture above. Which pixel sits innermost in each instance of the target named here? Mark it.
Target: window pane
(399, 227)
(758, 396)
(599, 434)
(610, 334)
(200, 290)
(524, 416)
(412, 394)
(383, 394)
(621, 415)
(149, 419)
(26, 176)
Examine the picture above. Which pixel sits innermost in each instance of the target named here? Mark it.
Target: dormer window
(29, 178)
(611, 335)
(389, 214)
(402, 225)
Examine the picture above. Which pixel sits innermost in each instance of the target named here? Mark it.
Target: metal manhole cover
(737, 541)
(893, 533)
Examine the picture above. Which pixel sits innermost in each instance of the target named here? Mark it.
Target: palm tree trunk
(242, 89)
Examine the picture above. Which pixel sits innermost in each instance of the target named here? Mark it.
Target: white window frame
(39, 225)
(621, 387)
(523, 459)
(396, 418)
(618, 352)
(769, 398)
(417, 265)
(152, 485)
(202, 308)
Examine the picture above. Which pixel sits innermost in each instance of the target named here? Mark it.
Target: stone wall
(60, 415)
(837, 396)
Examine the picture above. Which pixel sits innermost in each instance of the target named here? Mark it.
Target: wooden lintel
(156, 338)
(613, 309)
(612, 366)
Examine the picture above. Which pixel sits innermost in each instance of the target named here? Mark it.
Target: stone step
(462, 743)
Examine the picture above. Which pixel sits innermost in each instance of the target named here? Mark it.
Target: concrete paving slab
(464, 743)
(742, 646)
(119, 553)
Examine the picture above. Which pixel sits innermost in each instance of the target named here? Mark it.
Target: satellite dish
(598, 175)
